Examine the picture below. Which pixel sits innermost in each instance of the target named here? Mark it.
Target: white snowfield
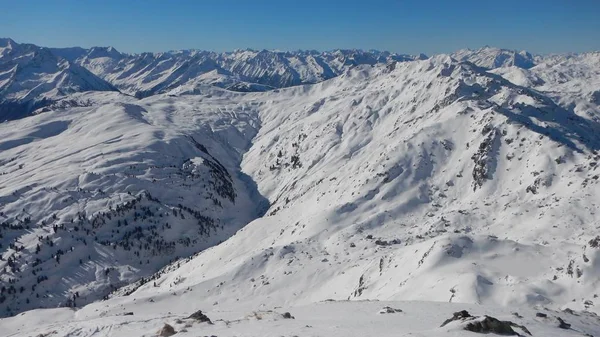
(331, 319)
(430, 186)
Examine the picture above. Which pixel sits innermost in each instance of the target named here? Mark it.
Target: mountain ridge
(433, 180)
(294, 142)
(146, 74)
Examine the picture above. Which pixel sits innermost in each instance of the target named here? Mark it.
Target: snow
(431, 186)
(70, 168)
(31, 77)
(242, 70)
(334, 318)
(458, 239)
(570, 80)
(491, 58)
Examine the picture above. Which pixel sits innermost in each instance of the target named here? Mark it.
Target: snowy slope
(105, 194)
(424, 182)
(570, 80)
(331, 319)
(31, 77)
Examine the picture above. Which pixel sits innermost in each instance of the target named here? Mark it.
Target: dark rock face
(486, 325)
(595, 242)
(457, 316)
(562, 324)
(492, 325)
(200, 317)
(166, 331)
(389, 310)
(287, 315)
(484, 158)
(595, 97)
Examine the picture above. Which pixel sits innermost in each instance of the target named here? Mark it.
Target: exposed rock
(459, 315)
(562, 324)
(389, 310)
(486, 324)
(492, 325)
(200, 317)
(287, 315)
(540, 314)
(166, 331)
(380, 242)
(484, 158)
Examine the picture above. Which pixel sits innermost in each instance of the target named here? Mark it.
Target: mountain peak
(491, 57)
(111, 52)
(6, 42)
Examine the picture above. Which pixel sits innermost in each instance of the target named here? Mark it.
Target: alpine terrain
(268, 193)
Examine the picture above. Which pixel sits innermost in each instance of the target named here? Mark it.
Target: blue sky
(429, 26)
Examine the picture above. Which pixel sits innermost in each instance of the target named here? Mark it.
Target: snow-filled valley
(457, 182)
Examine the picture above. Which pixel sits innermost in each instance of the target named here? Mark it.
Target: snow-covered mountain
(32, 77)
(490, 58)
(572, 81)
(147, 74)
(424, 182)
(432, 180)
(116, 191)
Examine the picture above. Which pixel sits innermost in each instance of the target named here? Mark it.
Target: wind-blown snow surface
(429, 180)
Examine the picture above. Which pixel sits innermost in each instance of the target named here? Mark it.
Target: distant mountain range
(251, 181)
(32, 77)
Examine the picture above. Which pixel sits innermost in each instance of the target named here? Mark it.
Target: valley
(432, 184)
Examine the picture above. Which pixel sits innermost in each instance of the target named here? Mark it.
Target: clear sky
(429, 26)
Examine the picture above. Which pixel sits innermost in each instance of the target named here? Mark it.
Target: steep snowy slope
(95, 197)
(31, 77)
(429, 181)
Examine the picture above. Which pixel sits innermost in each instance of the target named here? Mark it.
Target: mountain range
(53, 73)
(142, 188)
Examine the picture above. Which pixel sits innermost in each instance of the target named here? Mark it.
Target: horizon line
(170, 51)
